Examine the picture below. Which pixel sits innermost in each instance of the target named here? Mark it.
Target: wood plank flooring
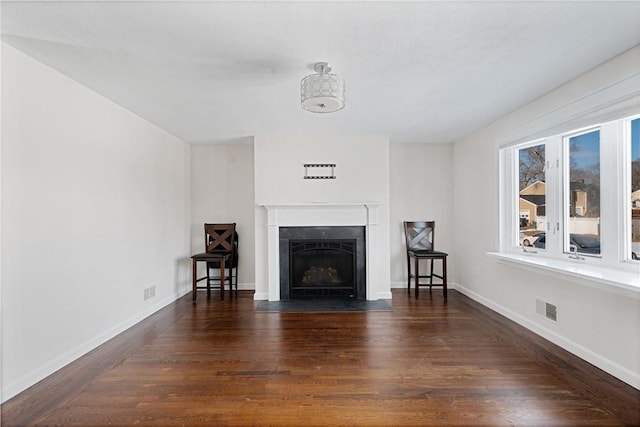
(424, 363)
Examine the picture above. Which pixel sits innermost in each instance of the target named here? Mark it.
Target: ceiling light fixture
(322, 92)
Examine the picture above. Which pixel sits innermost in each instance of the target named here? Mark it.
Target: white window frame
(614, 265)
(625, 184)
(566, 187)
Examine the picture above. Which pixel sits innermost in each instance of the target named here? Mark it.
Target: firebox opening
(322, 262)
(322, 268)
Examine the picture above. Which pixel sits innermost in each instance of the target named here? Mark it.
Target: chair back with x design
(419, 235)
(219, 237)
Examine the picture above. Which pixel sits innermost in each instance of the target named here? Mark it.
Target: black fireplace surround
(323, 262)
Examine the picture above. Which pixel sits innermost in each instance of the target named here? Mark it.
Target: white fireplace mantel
(322, 214)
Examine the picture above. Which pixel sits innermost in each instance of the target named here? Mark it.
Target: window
(582, 194)
(565, 197)
(634, 141)
(531, 193)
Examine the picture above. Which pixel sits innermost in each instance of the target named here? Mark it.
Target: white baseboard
(246, 286)
(261, 296)
(384, 295)
(613, 368)
(26, 381)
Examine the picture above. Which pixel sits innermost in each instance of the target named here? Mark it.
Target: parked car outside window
(585, 243)
(526, 240)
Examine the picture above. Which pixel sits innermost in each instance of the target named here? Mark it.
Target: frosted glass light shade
(322, 93)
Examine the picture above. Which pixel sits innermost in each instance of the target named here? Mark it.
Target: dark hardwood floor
(424, 363)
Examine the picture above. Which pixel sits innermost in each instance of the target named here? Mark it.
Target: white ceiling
(427, 72)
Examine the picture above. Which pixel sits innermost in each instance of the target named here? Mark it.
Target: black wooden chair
(419, 241)
(222, 238)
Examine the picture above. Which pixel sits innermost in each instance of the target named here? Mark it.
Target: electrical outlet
(146, 294)
(477, 271)
(152, 291)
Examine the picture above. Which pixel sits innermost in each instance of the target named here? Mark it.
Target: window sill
(610, 279)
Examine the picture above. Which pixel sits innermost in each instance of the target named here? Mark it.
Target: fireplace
(322, 261)
(363, 215)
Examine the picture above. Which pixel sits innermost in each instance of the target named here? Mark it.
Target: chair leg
(431, 277)
(222, 279)
(417, 276)
(444, 276)
(236, 280)
(194, 279)
(408, 274)
(208, 280)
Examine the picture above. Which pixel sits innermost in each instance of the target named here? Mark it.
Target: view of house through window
(556, 187)
(635, 189)
(582, 194)
(532, 192)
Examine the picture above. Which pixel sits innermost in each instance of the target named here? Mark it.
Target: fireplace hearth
(322, 262)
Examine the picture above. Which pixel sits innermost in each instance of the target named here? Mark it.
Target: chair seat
(427, 253)
(206, 256)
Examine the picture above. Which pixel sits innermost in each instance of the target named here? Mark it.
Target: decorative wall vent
(319, 171)
(551, 312)
(547, 310)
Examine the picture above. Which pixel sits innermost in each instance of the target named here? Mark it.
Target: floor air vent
(547, 310)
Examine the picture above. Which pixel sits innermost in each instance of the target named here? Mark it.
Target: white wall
(222, 190)
(421, 187)
(362, 175)
(2, 398)
(600, 326)
(95, 208)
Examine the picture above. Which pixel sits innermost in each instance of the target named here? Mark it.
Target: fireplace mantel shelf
(317, 204)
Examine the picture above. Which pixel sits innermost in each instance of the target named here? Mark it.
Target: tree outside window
(531, 193)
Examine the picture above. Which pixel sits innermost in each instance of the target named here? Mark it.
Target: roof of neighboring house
(526, 202)
(538, 200)
(540, 184)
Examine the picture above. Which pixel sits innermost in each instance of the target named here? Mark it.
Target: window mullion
(612, 183)
(554, 196)
(507, 206)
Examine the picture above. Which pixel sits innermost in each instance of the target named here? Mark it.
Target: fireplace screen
(322, 261)
(322, 268)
